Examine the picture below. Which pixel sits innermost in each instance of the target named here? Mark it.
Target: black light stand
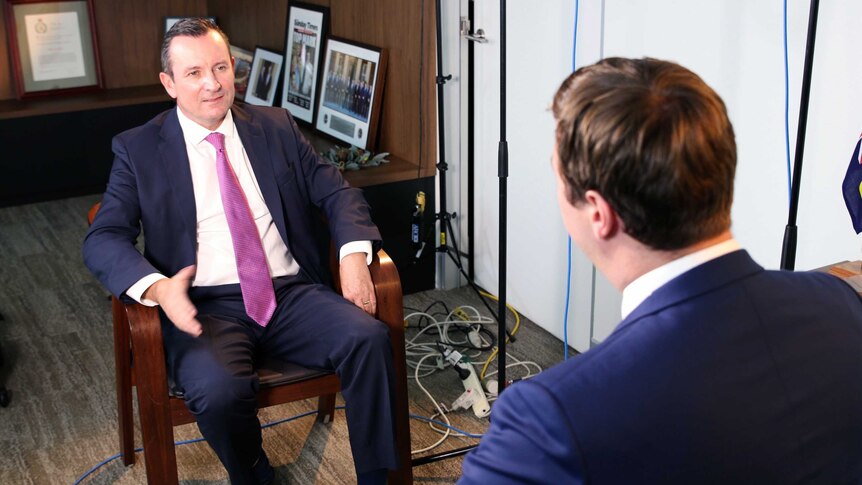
(446, 218)
(788, 248)
(502, 174)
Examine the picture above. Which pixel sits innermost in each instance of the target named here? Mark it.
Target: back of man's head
(655, 141)
(190, 27)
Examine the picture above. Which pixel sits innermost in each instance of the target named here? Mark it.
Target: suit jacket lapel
(254, 141)
(702, 279)
(175, 162)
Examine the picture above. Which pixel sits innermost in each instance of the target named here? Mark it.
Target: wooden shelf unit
(399, 169)
(130, 32)
(108, 98)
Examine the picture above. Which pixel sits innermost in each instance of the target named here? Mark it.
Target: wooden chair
(137, 330)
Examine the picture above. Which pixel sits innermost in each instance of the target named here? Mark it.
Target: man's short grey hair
(190, 27)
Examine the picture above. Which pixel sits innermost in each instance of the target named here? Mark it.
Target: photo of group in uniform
(349, 85)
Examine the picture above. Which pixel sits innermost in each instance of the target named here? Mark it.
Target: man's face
(202, 78)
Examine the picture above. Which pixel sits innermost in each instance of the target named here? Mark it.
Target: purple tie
(254, 280)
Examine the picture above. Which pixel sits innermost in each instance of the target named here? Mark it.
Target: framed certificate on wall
(53, 46)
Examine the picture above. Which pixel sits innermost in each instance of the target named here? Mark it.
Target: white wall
(736, 46)
(455, 108)
(539, 57)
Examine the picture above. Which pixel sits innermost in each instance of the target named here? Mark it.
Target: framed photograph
(53, 46)
(307, 26)
(349, 106)
(241, 69)
(265, 70)
(170, 21)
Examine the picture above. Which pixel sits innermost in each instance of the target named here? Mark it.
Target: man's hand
(356, 283)
(172, 294)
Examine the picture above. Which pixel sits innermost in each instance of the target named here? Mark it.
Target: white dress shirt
(641, 288)
(216, 262)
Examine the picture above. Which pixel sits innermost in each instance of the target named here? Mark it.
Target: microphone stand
(788, 248)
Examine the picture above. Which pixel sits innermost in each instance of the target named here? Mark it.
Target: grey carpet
(57, 343)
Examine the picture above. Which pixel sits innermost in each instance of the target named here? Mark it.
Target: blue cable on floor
(787, 106)
(280, 421)
(423, 418)
(569, 252)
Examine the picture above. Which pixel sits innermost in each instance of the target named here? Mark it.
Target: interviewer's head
(654, 141)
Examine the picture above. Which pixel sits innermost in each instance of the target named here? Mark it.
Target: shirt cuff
(356, 247)
(136, 291)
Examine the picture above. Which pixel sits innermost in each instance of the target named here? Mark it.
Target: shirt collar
(194, 133)
(641, 288)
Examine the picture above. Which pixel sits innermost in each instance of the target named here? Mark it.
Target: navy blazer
(150, 188)
(727, 374)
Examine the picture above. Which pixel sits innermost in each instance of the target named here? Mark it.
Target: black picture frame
(264, 77)
(348, 107)
(243, 60)
(306, 29)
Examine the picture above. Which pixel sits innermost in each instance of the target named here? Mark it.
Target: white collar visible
(195, 133)
(641, 288)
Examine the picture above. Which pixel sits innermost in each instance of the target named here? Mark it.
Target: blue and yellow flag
(853, 188)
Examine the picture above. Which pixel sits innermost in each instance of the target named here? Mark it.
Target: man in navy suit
(164, 181)
(720, 372)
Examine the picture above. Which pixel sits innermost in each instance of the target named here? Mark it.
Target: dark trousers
(313, 327)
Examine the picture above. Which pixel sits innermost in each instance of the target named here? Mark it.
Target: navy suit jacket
(727, 374)
(150, 187)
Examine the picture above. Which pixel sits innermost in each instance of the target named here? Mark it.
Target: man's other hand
(356, 283)
(172, 294)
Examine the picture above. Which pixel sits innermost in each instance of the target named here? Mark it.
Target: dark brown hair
(191, 27)
(655, 141)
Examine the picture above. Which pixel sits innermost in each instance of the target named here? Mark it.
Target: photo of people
(306, 31)
(349, 85)
(241, 70)
(264, 84)
(302, 66)
(265, 72)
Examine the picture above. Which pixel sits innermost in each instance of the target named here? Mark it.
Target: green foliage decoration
(353, 158)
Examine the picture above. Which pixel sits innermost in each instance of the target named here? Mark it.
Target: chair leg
(122, 368)
(153, 401)
(404, 474)
(326, 408)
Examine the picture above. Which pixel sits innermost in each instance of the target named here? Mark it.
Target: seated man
(720, 372)
(224, 195)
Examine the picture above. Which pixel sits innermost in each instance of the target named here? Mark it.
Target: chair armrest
(387, 288)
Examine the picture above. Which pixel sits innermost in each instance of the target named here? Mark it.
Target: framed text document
(53, 46)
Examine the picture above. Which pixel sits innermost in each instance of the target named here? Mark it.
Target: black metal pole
(503, 173)
(445, 219)
(470, 139)
(788, 248)
(442, 167)
(442, 455)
